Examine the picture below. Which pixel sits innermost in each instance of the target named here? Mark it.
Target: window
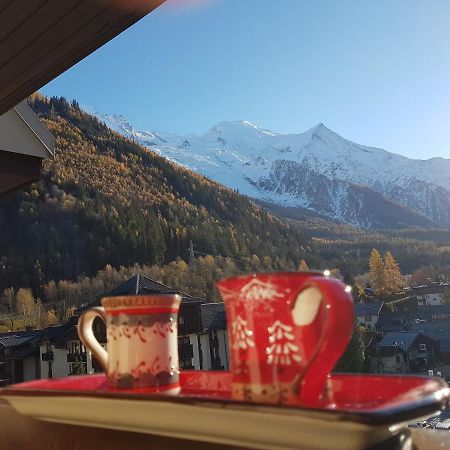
(181, 320)
(185, 352)
(368, 318)
(74, 347)
(422, 347)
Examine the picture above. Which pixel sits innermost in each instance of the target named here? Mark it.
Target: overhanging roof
(40, 39)
(24, 143)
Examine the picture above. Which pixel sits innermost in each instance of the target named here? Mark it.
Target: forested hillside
(104, 200)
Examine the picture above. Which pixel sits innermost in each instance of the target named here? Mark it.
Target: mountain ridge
(245, 157)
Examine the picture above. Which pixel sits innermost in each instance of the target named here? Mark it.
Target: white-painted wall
(365, 322)
(196, 359)
(60, 366)
(224, 352)
(206, 355)
(430, 299)
(29, 368)
(390, 364)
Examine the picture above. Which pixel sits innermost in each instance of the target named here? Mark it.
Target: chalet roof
(430, 312)
(41, 39)
(434, 287)
(445, 345)
(22, 353)
(55, 333)
(16, 340)
(140, 285)
(368, 309)
(402, 339)
(213, 316)
(395, 321)
(438, 331)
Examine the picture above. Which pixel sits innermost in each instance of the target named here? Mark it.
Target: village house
(57, 351)
(19, 356)
(60, 348)
(435, 313)
(390, 359)
(394, 321)
(421, 351)
(367, 314)
(202, 335)
(432, 294)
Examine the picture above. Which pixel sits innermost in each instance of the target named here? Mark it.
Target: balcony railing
(75, 357)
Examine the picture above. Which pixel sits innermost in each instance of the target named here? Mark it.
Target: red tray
(367, 410)
(372, 399)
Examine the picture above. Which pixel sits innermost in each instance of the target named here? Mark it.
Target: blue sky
(376, 72)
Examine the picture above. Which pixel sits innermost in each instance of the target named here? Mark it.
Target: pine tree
(377, 272)
(393, 276)
(353, 358)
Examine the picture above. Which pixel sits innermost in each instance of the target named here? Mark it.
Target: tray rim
(402, 412)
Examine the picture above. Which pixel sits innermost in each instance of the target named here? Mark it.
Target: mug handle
(87, 337)
(337, 305)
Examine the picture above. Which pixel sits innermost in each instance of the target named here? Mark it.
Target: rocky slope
(318, 170)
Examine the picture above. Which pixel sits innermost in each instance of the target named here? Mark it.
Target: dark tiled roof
(390, 350)
(23, 353)
(368, 309)
(431, 288)
(140, 285)
(15, 340)
(445, 345)
(22, 333)
(427, 312)
(394, 321)
(435, 330)
(213, 316)
(402, 339)
(52, 334)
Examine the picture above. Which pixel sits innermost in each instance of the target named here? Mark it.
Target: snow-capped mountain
(317, 169)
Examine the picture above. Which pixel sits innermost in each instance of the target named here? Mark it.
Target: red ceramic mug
(287, 330)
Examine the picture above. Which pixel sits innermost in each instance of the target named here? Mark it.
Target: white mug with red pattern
(142, 347)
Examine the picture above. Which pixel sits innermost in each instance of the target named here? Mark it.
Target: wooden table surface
(18, 432)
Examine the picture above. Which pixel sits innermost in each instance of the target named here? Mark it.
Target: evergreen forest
(107, 207)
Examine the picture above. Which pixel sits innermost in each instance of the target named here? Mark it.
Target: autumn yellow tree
(24, 301)
(393, 276)
(303, 267)
(377, 272)
(52, 319)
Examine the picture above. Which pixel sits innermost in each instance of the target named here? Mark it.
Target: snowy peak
(240, 129)
(318, 169)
